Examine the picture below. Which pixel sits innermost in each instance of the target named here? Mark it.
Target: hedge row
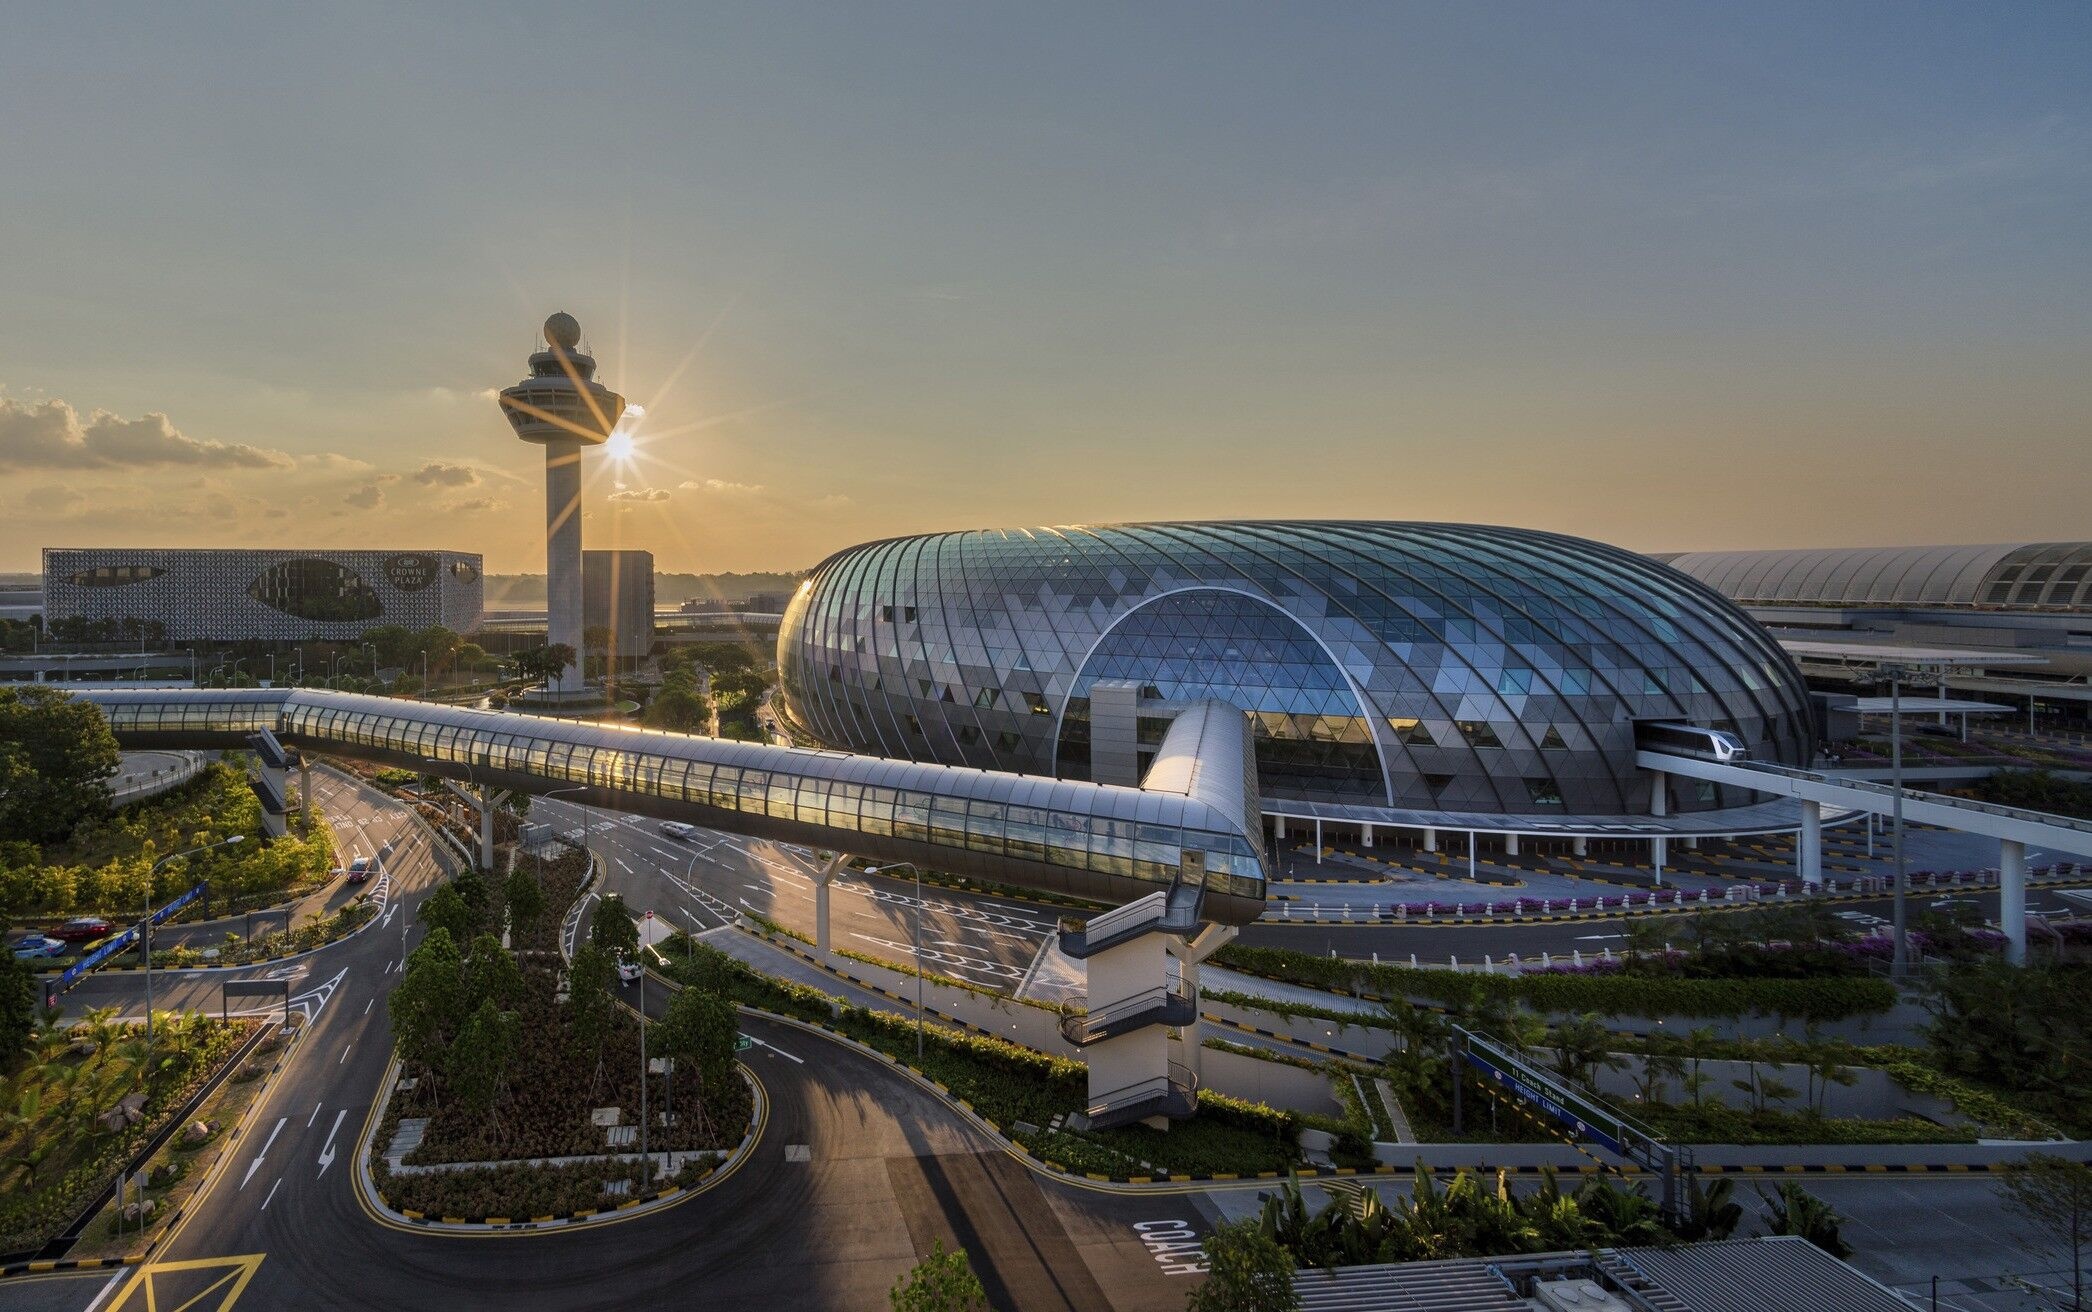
(1608, 995)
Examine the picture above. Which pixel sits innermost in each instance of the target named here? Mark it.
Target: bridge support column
(1510, 845)
(1365, 836)
(1580, 846)
(486, 828)
(1808, 845)
(2012, 899)
(305, 807)
(824, 877)
(1191, 953)
(1430, 840)
(1659, 852)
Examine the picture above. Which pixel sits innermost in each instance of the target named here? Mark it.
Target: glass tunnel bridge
(1112, 844)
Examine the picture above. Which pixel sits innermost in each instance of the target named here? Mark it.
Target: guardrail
(1656, 900)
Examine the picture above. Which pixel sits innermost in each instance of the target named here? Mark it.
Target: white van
(676, 829)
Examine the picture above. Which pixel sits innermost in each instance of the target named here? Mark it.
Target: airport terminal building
(1393, 672)
(218, 595)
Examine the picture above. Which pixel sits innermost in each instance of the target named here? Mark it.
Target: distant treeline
(514, 591)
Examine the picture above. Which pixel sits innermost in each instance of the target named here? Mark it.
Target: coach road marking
(1174, 1245)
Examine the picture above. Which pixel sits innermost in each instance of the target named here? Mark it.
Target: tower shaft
(563, 558)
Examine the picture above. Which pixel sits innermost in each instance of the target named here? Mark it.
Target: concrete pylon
(1191, 953)
(2012, 899)
(1808, 845)
(824, 877)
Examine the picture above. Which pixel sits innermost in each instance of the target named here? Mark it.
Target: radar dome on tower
(563, 330)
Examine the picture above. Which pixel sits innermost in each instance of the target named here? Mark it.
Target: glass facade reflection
(1444, 667)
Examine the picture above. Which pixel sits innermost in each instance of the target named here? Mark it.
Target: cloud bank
(52, 435)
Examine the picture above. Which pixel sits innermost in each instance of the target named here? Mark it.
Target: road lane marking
(344, 1054)
(367, 1006)
(774, 1048)
(315, 1114)
(327, 1152)
(255, 1165)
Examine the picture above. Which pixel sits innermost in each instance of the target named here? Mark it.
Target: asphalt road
(879, 1169)
(990, 941)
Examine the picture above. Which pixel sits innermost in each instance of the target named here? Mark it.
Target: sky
(1674, 276)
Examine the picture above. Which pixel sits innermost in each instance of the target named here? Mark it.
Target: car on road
(37, 945)
(628, 970)
(361, 869)
(677, 829)
(81, 929)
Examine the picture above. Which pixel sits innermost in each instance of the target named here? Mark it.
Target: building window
(969, 735)
(1552, 741)
(1543, 792)
(985, 699)
(1008, 740)
(1037, 703)
(1411, 731)
(914, 725)
(1478, 733)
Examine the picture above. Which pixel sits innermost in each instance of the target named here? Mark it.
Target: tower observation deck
(562, 408)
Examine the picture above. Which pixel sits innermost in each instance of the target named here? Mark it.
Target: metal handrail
(1941, 799)
(1155, 905)
(1180, 1076)
(1145, 1000)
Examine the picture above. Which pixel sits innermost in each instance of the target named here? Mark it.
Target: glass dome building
(1424, 667)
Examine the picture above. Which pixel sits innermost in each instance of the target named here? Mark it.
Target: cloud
(437, 474)
(639, 494)
(53, 499)
(720, 487)
(368, 497)
(833, 501)
(475, 506)
(52, 435)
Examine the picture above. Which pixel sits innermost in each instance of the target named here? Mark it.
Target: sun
(620, 446)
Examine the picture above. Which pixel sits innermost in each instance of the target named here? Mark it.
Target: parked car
(81, 929)
(38, 945)
(361, 869)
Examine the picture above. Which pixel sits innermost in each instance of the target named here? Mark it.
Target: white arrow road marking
(327, 1153)
(255, 1165)
(1592, 938)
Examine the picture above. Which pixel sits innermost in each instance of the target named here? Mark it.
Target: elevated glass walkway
(1113, 844)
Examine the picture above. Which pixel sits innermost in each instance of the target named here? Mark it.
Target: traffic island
(537, 1194)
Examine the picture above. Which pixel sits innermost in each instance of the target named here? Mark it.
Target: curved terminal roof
(1090, 840)
(2047, 575)
(1426, 667)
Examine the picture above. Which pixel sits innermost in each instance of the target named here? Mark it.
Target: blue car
(36, 945)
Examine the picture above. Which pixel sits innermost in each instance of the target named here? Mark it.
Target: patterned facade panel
(1436, 666)
(214, 595)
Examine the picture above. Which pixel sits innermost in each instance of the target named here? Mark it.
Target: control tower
(562, 408)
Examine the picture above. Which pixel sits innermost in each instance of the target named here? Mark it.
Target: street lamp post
(880, 870)
(145, 930)
(1897, 676)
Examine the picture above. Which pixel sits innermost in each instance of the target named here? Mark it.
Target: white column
(822, 879)
(1430, 840)
(1318, 840)
(2012, 899)
(1367, 835)
(1659, 851)
(1943, 697)
(1510, 845)
(1580, 846)
(1808, 845)
(563, 556)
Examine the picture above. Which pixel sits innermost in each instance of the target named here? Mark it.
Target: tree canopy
(56, 755)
